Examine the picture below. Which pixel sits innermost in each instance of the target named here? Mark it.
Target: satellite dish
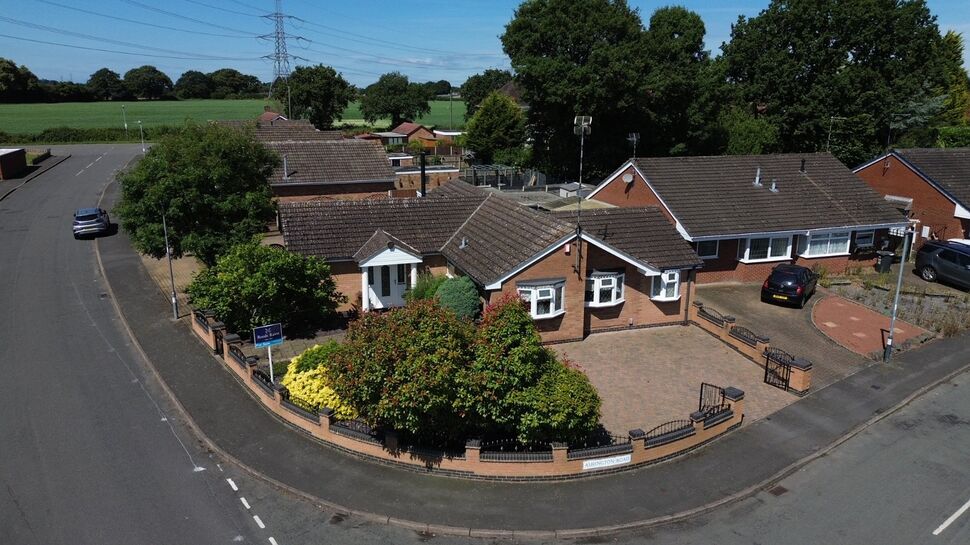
(628, 178)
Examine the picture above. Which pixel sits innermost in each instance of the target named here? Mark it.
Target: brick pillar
(638, 439)
(473, 451)
(764, 343)
(326, 415)
(559, 451)
(735, 397)
(729, 323)
(695, 307)
(213, 327)
(800, 380)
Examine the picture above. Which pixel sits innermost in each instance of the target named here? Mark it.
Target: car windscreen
(86, 217)
(784, 277)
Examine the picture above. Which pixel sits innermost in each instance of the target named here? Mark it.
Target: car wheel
(801, 302)
(76, 236)
(928, 273)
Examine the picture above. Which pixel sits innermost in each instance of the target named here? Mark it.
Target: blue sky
(427, 40)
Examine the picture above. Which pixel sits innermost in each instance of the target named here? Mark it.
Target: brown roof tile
(337, 161)
(949, 168)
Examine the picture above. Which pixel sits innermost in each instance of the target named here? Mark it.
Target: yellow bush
(311, 385)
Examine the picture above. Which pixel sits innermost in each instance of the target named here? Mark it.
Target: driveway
(790, 329)
(650, 376)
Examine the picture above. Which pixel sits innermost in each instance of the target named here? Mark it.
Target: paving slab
(859, 328)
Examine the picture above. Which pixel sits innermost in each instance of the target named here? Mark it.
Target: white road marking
(232, 485)
(952, 518)
(259, 522)
(91, 164)
(244, 502)
(220, 468)
(79, 172)
(272, 540)
(99, 158)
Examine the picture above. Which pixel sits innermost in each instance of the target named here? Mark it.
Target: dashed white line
(79, 172)
(273, 540)
(259, 522)
(99, 158)
(952, 518)
(244, 502)
(91, 164)
(232, 485)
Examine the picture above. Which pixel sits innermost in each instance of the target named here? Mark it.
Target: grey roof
(713, 196)
(484, 234)
(284, 130)
(644, 234)
(337, 161)
(378, 242)
(949, 168)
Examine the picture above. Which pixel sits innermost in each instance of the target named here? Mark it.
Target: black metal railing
(601, 444)
(711, 401)
(300, 406)
(237, 355)
(669, 432)
(745, 335)
(711, 315)
(356, 429)
(510, 450)
(778, 355)
(262, 379)
(201, 319)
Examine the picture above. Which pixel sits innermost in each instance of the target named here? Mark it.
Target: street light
(888, 351)
(171, 273)
(142, 132)
(124, 118)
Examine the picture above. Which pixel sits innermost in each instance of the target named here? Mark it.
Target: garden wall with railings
(781, 368)
(719, 411)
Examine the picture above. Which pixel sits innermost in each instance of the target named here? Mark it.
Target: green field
(33, 118)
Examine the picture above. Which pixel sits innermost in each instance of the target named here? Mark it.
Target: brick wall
(435, 179)
(930, 206)
(636, 193)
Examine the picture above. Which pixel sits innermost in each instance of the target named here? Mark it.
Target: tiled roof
(714, 196)
(947, 167)
(268, 116)
(484, 234)
(284, 130)
(644, 234)
(407, 128)
(337, 161)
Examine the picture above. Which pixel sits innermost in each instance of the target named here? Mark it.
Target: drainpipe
(424, 175)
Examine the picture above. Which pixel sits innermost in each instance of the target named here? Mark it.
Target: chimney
(774, 186)
(424, 175)
(757, 178)
(802, 169)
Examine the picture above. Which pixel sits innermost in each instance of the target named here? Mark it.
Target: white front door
(387, 285)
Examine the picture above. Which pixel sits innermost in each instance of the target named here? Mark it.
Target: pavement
(7, 187)
(235, 424)
(91, 447)
(859, 328)
(646, 377)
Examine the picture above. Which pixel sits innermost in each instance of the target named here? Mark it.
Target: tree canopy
(231, 83)
(498, 125)
(106, 84)
(18, 83)
(209, 181)
(317, 93)
(148, 82)
(193, 84)
(395, 97)
(479, 86)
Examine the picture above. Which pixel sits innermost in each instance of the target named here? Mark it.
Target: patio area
(650, 376)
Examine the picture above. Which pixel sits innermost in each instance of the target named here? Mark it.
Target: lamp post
(142, 132)
(888, 351)
(124, 119)
(171, 273)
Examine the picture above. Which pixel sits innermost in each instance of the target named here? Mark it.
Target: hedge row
(71, 134)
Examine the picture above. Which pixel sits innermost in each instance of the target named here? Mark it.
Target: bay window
(604, 289)
(824, 244)
(764, 249)
(666, 286)
(543, 300)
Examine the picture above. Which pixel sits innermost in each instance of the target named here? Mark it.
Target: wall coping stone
(733, 394)
(697, 416)
(637, 433)
(802, 363)
(232, 338)
(217, 325)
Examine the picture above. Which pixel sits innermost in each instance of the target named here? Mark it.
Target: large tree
(479, 86)
(231, 83)
(209, 181)
(956, 109)
(499, 124)
(193, 84)
(148, 82)
(318, 93)
(18, 83)
(579, 57)
(865, 63)
(395, 97)
(106, 84)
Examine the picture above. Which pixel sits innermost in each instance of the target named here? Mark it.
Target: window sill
(665, 299)
(807, 256)
(766, 260)
(708, 257)
(549, 316)
(605, 305)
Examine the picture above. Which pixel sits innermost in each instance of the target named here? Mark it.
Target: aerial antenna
(581, 126)
(633, 138)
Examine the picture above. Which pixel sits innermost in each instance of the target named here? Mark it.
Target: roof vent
(286, 170)
(774, 186)
(464, 243)
(802, 168)
(757, 178)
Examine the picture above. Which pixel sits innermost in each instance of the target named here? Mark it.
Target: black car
(789, 284)
(944, 260)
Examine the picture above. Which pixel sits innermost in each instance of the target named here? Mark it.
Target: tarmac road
(88, 451)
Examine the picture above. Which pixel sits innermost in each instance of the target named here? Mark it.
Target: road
(90, 451)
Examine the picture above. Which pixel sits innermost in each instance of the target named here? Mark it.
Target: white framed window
(604, 289)
(666, 286)
(865, 239)
(544, 301)
(708, 249)
(753, 250)
(824, 244)
(402, 274)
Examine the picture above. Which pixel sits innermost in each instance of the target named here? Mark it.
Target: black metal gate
(219, 334)
(778, 367)
(711, 400)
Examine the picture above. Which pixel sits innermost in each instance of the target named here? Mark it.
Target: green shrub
(425, 288)
(563, 406)
(460, 295)
(316, 356)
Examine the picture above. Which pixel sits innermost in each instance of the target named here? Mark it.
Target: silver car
(90, 221)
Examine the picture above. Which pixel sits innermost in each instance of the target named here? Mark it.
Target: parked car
(944, 260)
(789, 284)
(90, 221)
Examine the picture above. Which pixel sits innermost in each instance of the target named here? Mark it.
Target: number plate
(782, 297)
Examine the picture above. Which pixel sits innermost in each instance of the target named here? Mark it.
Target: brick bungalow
(331, 169)
(933, 184)
(624, 268)
(284, 130)
(414, 132)
(745, 214)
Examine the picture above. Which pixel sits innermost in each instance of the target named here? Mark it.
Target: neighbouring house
(513, 91)
(626, 267)
(284, 130)
(744, 214)
(387, 138)
(414, 132)
(446, 138)
(269, 115)
(931, 184)
(13, 163)
(331, 169)
(400, 159)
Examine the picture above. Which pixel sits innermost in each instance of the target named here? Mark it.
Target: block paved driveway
(650, 376)
(789, 328)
